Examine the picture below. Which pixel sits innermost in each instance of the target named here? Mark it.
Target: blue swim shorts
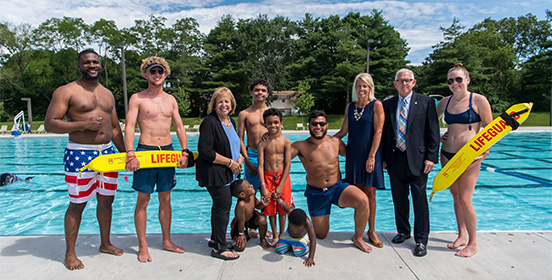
(320, 200)
(144, 180)
(253, 155)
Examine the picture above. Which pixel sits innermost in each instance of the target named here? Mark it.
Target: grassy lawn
(334, 121)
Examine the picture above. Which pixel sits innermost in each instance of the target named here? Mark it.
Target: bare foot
(269, 234)
(265, 244)
(143, 255)
(169, 246)
(110, 249)
(253, 233)
(362, 245)
(467, 252)
(274, 241)
(457, 243)
(73, 263)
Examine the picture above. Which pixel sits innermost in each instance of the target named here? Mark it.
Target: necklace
(227, 125)
(358, 115)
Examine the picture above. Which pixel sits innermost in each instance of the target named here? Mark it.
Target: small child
(297, 235)
(274, 163)
(246, 216)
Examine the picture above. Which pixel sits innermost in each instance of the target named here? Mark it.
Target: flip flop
(219, 255)
(376, 244)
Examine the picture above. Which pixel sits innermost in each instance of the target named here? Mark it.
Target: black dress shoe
(420, 250)
(400, 238)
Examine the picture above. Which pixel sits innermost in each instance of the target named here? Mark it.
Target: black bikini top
(467, 117)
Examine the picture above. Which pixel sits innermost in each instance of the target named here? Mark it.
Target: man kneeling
(320, 157)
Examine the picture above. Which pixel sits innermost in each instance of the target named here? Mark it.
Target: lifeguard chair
(19, 125)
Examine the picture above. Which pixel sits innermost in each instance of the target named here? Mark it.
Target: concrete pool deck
(502, 255)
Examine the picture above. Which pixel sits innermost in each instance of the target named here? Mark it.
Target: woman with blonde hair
(465, 113)
(218, 165)
(363, 121)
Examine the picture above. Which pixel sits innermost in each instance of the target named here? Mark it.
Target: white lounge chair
(187, 127)
(300, 126)
(195, 127)
(40, 129)
(4, 128)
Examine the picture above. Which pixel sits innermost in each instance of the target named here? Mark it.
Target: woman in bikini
(465, 113)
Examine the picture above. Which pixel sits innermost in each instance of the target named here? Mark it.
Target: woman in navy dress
(363, 121)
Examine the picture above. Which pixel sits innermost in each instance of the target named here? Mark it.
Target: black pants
(401, 181)
(220, 214)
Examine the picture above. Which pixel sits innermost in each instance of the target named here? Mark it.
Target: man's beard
(87, 76)
(318, 137)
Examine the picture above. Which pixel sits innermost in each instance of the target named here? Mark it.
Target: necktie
(401, 138)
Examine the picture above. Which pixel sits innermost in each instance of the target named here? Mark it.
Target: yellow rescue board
(148, 159)
(481, 142)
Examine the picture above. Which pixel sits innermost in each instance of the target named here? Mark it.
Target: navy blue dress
(359, 143)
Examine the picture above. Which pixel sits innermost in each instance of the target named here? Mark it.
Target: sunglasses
(318, 123)
(457, 79)
(160, 71)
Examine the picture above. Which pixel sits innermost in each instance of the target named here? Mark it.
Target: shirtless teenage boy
(246, 216)
(91, 121)
(154, 109)
(320, 157)
(274, 165)
(251, 121)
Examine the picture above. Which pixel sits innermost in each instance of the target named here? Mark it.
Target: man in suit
(410, 143)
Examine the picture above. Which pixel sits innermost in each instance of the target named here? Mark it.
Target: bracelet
(280, 201)
(240, 233)
(130, 151)
(263, 183)
(230, 164)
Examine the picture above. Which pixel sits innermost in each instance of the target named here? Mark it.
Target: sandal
(219, 255)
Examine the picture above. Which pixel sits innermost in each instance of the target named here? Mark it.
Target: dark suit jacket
(422, 132)
(213, 140)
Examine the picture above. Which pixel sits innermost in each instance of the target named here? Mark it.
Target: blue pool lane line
(490, 169)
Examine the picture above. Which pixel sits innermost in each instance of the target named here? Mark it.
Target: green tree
(183, 100)
(57, 34)
(305, 102)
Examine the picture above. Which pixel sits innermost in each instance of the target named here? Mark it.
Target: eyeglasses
(404, 81)
(160, 71)
(457, 79)
(318, 123)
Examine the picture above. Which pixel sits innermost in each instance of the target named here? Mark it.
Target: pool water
(517, 200)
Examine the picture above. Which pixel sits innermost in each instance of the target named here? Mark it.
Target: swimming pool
(518, 200)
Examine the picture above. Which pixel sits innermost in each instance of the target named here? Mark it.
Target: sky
(418, 22)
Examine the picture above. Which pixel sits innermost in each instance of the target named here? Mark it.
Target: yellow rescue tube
(148, 159)
(481, 142)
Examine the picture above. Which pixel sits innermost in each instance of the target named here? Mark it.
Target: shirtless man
(320, 157)
(91, 121)
(154, 109)
(251, 120)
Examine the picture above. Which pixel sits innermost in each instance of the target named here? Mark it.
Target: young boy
(246, 216)
(297, 235)
(274, 164)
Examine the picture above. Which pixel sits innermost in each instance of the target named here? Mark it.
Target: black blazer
(422, 132)
(213, 140)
